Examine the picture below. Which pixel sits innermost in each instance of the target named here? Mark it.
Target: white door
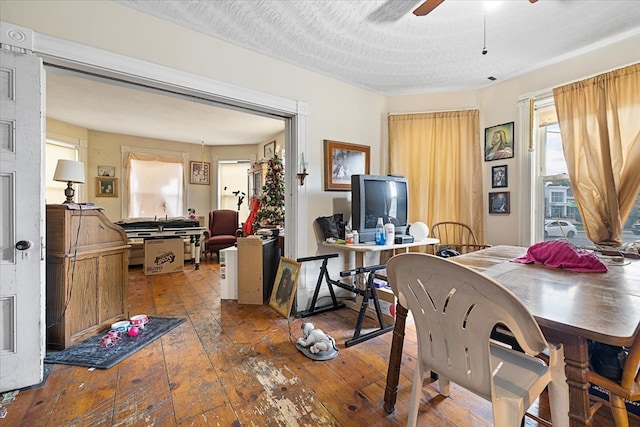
(22, 309)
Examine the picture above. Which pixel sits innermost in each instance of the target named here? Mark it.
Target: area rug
(89, 353)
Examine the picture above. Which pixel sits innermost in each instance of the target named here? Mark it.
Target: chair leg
(416, 393)
(558, 387)
(619, 411)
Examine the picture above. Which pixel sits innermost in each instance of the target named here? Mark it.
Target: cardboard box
(387, 305)
(163, 255)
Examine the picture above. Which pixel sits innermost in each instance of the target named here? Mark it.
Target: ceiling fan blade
(427, 7)
(532, 1)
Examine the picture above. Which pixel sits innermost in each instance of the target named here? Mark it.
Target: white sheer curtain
(155, 185)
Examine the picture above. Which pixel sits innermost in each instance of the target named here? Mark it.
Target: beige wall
(337, 111)
(498, 104)
(105, 149)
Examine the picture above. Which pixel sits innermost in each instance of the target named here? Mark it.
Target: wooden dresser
(87, 274)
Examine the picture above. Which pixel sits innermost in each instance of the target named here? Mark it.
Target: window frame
(124, 206)
(80, 147)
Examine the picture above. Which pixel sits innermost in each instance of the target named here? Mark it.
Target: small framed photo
(106, 187)
(284, 287)
(498, 142)
(341, 160)
(269, 150)
(499, 203)
(199, 172)
(109, 171)
(499, 176)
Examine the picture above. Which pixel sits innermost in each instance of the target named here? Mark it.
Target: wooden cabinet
(257, 266)
(87, 274)
(256, 177)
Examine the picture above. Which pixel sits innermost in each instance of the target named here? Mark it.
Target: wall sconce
(69, 171)
(303, 165)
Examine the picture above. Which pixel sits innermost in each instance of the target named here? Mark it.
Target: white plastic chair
(454, 310)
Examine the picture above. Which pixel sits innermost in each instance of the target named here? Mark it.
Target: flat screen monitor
(378, 196)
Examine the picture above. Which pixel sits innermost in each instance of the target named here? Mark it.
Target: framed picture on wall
(199, 172)
(499, 176)
(284, 286)
(269, 150)
(499, 203)
(106, 187)
(107, 171)
(341, 160)
(498, 142)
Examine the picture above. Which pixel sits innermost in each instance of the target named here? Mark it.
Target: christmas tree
(271, 210)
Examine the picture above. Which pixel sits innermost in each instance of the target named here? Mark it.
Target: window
(559, 216)
(155, 186)
(54, 151)
(557, 197)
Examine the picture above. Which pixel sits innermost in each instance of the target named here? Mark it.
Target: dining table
(570, 307)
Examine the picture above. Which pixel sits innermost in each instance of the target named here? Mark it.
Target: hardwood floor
(237, 365)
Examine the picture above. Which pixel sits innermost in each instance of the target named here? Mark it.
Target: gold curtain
(600, 126)
(441, 155)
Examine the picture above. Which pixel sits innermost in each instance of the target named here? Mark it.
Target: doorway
(232, 186)
(148, 76)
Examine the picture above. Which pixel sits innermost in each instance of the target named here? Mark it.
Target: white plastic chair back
(455, 309)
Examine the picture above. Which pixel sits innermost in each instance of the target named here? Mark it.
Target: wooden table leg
(395, 359)
(576, 357)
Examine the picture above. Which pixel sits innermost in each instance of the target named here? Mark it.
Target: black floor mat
(89, 353)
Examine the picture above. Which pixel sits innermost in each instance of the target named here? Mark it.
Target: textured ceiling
(381, 46)
(376, 45)
(110, 106)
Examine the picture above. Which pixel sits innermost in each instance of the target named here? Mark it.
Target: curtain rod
(435, 111)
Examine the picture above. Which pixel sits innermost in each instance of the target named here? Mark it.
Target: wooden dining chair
(455, 310)
(627, 388)
(455, 235)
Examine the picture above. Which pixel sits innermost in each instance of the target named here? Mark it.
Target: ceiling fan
(426, 7)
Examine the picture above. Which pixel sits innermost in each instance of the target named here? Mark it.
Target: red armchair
(223, 231)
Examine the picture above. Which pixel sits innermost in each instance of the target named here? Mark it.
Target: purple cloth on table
(562, 254)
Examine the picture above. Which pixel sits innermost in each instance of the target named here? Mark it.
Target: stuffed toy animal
(315, 339)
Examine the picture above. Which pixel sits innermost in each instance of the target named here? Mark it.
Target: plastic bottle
(356, 238)
(389, 233)
(380, 238)
(348, 236)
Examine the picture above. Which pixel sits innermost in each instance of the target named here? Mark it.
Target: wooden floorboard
(237, 365)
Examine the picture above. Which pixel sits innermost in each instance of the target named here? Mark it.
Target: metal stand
(368, 293)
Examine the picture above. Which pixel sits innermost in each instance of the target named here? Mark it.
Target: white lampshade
(419, 231)
(69, 171)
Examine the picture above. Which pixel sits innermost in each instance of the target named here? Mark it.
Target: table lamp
(69, 171)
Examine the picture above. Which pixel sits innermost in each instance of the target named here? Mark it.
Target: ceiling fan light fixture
(426, 7)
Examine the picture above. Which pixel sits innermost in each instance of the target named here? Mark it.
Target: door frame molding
(83, 58)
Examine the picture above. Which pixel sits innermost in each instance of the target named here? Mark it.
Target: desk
(570, 308)
(363, 288)
(159, 232)
(362, 248)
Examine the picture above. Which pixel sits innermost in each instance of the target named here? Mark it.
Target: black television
(377, 196)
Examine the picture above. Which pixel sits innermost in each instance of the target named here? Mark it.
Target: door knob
(23, 245)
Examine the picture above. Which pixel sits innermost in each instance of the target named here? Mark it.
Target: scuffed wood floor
(237, 365)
